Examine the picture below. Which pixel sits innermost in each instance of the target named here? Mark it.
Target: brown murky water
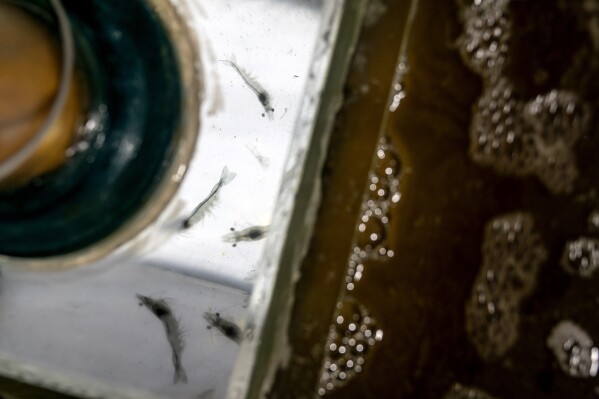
(474, 277)
(30, 64)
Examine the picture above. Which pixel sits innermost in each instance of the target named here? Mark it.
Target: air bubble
(371, 231)
(399, 92)
(387, 163)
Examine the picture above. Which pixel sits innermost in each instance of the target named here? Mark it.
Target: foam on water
(351, 336)
(511, 135)
(353, 332)
(573, 349)
(581, 257)
(512, 255)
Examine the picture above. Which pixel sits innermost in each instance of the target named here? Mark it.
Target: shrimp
(253, 233)
(161, 309)
(256, 87)
(228, 328)
(206, 205)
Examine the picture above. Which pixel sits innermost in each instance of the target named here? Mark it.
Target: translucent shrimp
(226, 327)
(174, 333)
(208, 203)
(256, 87)
(253, 233)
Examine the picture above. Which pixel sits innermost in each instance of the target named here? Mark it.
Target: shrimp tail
(226, 176)
(180, 375)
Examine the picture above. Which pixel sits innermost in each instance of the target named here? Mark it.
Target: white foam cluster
(351, 336)
(496, 136)
(382, 195)
(353, 332)
(581, 257)
(459, 391)
(574, 350)
(556, 117)
(483, 44)
(511, 135)
(512, 254)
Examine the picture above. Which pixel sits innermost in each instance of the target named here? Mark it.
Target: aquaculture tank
(296, 199)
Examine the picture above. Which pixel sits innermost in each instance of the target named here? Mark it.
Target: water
(493, 228)
(509, 134)
(354, 330)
